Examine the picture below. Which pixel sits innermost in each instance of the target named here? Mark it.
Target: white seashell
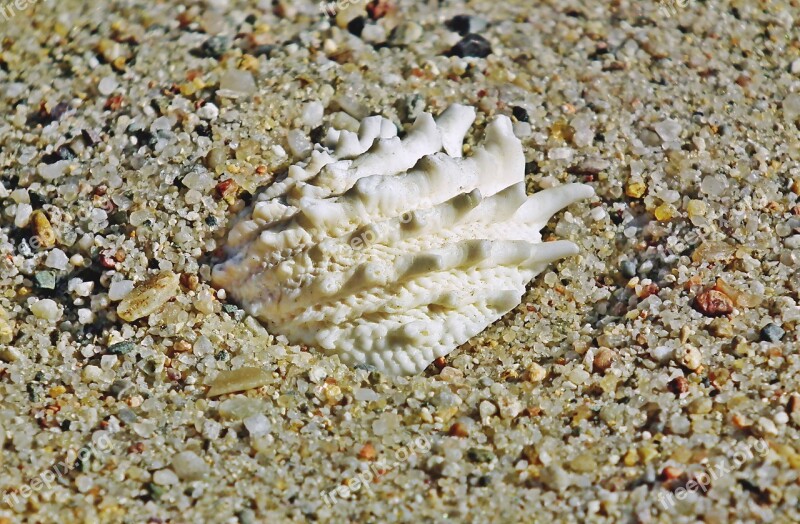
(389, 252)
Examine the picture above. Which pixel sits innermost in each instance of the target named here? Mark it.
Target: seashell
(392, 252)
(149, 296)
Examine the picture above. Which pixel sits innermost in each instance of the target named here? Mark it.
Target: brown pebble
(113, 103)
(107, 261)
(603, 359)
(720, 328)
(793, 406)
(181, 346)
(532, 411)
(380, 8)
(740, 422)
(227, 190)
(458, 430)
(189, 281)
(42, 229)
(440, 363)
(367, 452)
(678, 385)
(670, 473)
(713, 303)
(648, 290)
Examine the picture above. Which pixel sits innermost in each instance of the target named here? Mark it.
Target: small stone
(668, 130)
(678, 385)
(603, 359)
(57, 259)
(405, 34)
(257, 425)
(46, 309)
(772, 333)
(555, 478)
(121, 348)
(765, 427)
(107, 85)
(700, 406)
(535, 373)
(578, 376)
(670, 473)
(92, 374)
(583, 463)
(189, 466)
(365, 395)
(373, 33)
(696, 208)
(486, 409)
(627, 268)
(458, 430)
(155, 491)
(313, 113)
(215, 46)
(712, 251)
(119, 388)
(520, 113)
(367, 452)
(299, 144)
(84, 483)
(120, 289)
(45, 280)
(240, 379)
(791, 107)
(234, 83)
(208, 112)
(480, 455)
(165, 477)
(465, 24)
(53, 171)
(793, 406)
(23, 214)
(42, 230)
(472, 45)
(635, 189)
(713, 303)
(239, 408)
(665, 212)
(689, 357)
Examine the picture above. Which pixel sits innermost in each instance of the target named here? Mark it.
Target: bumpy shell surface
(392, 252)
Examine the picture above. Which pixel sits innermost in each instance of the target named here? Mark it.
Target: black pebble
(520, 114)
(65, 153)
(472, 45)
(215, 46)
(627, 268)
(772, 333)
(459, 24)
(356, 25)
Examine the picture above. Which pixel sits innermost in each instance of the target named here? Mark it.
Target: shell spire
(390, 251)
